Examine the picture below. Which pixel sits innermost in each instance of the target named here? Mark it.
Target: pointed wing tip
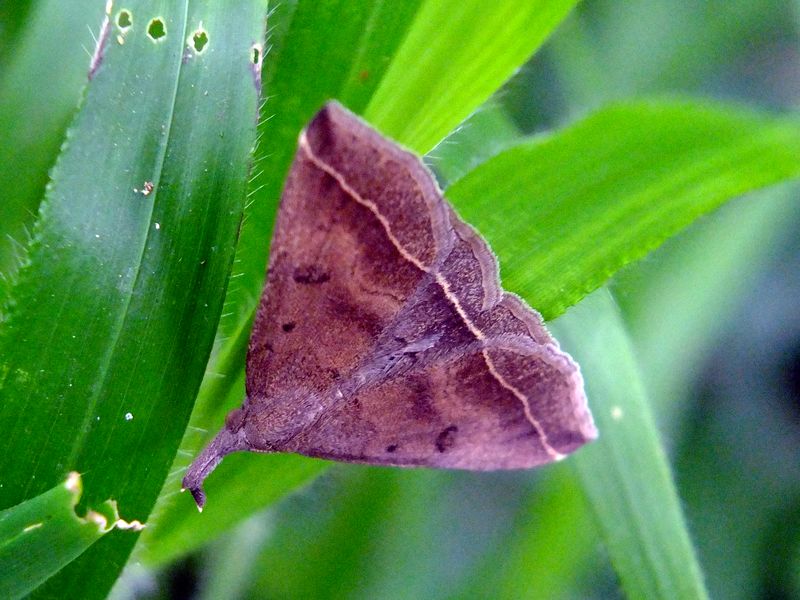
(585, 422)
(331, 111)
(579, 426)
(589, 430)
(583, 433)
(334, 106)
(583, 414)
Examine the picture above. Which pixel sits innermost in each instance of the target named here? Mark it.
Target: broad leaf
(113, 318)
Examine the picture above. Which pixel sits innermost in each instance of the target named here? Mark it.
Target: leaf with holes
(111, 323)
(41, 535)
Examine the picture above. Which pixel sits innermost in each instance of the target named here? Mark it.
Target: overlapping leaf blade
(33, 117)
(457, 54)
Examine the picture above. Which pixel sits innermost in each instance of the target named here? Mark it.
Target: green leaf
(604, 192)
(625, 473)
(348, 46)
(33, 117)
(41, 535)
(486, 132)
(113, 318)
(455, 56)
(13, 16)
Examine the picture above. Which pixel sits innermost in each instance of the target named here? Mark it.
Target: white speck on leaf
(616, 413)
(73, 482)
(128, 416)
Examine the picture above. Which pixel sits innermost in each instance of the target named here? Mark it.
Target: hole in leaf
(256, 54)
(124, 19)
(156, 29)
(199, 40)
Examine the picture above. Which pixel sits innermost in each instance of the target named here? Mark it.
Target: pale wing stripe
(303, 143)
(363, 201)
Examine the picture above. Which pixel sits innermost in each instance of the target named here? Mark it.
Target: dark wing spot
(422, 408)
(310, 274)
(287, 327)
(391, 448)
(446, 439)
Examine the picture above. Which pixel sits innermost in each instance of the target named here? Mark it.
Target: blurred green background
(714, 316)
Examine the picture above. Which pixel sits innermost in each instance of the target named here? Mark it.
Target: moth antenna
(202, 466)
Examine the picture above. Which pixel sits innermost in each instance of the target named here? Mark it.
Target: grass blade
(34, 117)
(625, 473)
(456, 55)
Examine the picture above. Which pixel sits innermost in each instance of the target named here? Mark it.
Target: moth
(383, 335)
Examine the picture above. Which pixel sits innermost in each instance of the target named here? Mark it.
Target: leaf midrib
(105, 365)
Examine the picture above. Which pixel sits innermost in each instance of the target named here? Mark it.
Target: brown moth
(383, 335)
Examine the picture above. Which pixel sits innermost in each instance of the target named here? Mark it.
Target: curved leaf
(604, 192)
(455, 56)
(33, 117)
